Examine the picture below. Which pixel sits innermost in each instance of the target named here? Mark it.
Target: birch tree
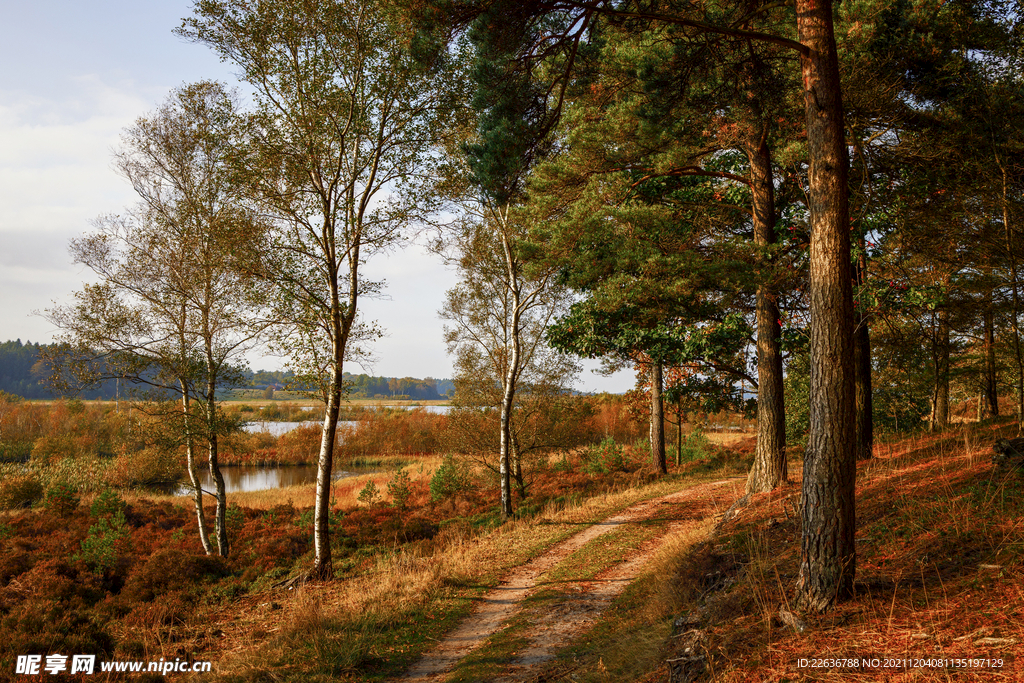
(174, 307)
(343, 132)
(498, 314)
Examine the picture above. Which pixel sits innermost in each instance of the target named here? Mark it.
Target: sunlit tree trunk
(341, 320)
(223, 546)
(770, 467)
(940, 363)
(193, 471)
(827, 555)
(657, 420)
(511, 377)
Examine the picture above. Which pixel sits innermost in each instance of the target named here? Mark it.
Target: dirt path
(556, 627)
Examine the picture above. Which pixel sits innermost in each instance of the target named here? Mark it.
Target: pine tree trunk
(770, 468)
(865, 428)
(827, 555)
(1011, 255)
(989, 406)
(940, 392)
(657, 421)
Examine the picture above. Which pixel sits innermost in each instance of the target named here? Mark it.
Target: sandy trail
(556, 627)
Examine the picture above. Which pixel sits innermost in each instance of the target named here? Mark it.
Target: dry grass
(940, 544)
(417, 588)
(728, 439)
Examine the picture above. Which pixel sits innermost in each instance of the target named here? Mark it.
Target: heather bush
(172, 570)
(19, 491)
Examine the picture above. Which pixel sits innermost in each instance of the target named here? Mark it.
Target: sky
(74, 76)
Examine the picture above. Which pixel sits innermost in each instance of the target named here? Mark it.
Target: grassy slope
(940, 547)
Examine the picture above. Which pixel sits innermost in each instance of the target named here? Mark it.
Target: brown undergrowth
(940, 563)
(123, 576)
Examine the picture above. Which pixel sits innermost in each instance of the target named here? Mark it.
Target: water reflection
(255, 478)
(279, 428)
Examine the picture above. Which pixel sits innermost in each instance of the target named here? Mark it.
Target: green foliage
(694, 447)
(897, 409)
(370, 494)
(62, 499)
(605, 457)
(450, 479)
(305, 520)
(400, 489)
(19, 491)
(102, 547)
(107, 504)
(234, 519)
(9, 398)
(797, 388)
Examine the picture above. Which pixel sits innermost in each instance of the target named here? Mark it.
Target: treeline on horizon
(22, 374)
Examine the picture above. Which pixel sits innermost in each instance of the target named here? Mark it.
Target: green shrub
(400, 489)
(107, 503)
(370, 494)
(62, 499)
(101, 548)
(450, 479)
(694, 446)
(605, 457)
(234, 519)
(19, 491)
(797, 390)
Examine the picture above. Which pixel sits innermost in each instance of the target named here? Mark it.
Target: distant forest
(20, 374)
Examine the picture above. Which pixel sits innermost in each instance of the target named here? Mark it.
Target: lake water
(255, 478)
(279, 428)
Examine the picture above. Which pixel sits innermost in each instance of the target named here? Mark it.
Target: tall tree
(551, 33)
(499, 312)
(175, 306)
(344, 129)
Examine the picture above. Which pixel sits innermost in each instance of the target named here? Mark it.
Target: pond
(256, 478)
(279, 428)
